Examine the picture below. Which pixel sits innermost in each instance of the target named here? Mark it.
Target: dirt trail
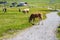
(41, 32)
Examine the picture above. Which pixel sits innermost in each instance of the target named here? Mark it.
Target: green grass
(59, 13)
(39, 3)
(13, 20)
(31, 0)
(58, 33)
(58, 30)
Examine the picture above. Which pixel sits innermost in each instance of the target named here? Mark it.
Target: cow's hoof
(33, 24)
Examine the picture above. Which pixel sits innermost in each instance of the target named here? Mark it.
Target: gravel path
(41, 32)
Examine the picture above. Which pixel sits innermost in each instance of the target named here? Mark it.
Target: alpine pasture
(13, 20)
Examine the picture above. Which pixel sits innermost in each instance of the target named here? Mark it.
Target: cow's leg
(33, 19)
(27, 11)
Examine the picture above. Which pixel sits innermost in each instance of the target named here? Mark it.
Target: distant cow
(4, 10)
(25, 10)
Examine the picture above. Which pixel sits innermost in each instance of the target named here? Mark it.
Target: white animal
(26, 10)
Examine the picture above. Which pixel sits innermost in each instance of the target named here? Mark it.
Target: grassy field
(58, 33)
(39, 3)
(12, 20)
(58, 30)
(59, 13)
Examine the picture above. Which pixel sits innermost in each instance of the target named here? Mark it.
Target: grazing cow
(25, 10)
(4, 10)
(33, 16)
